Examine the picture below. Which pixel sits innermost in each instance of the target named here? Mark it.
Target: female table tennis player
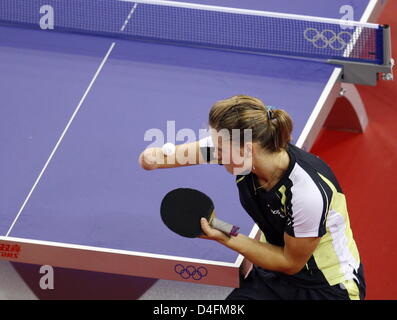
(308, 250)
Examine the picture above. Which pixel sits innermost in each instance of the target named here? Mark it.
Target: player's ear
(248, 149)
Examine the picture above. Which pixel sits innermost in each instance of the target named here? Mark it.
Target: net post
(368, 73)
(387, 52)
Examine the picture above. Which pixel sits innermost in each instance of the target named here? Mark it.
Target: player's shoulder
(305, 187)
(310, 195)
(310, 167)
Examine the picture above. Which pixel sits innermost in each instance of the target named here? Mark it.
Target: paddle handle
(225, 227)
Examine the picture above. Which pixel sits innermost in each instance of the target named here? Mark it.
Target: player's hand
(211, 233)
(149, 158)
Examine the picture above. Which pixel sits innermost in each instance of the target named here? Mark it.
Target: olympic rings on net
(191, 272)
(328, 38)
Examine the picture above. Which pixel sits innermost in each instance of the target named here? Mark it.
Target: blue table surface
(93, 192)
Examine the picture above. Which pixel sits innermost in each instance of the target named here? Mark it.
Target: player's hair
(271, 128)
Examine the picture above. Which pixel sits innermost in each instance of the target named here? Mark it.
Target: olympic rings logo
(328, 38)
(191, 272)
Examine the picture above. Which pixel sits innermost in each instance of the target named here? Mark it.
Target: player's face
(234, 158)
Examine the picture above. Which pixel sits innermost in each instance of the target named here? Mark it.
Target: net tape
(205, 26)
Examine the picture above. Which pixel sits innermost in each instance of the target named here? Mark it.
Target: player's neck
(270, 167)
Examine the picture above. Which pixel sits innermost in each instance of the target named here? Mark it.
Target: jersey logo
(278, 212)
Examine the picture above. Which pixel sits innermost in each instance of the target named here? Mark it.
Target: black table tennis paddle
(182, 209)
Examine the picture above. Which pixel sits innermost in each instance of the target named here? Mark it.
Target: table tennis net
(202, 26)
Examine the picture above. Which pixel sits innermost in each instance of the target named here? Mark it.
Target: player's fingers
(204, 237)
(211, 233)
(205, 226)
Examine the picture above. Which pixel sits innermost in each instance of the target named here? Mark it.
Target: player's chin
(237, 170)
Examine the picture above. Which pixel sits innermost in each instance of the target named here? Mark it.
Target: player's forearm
(158, 160)
(264, 255)
(185, 155)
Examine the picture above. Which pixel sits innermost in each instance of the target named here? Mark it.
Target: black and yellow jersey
(307, 202)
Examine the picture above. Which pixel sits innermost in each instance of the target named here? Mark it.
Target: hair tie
(270, 114)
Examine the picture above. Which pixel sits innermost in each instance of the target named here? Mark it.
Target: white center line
(70, 121)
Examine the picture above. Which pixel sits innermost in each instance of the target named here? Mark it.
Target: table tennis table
(73, 115)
